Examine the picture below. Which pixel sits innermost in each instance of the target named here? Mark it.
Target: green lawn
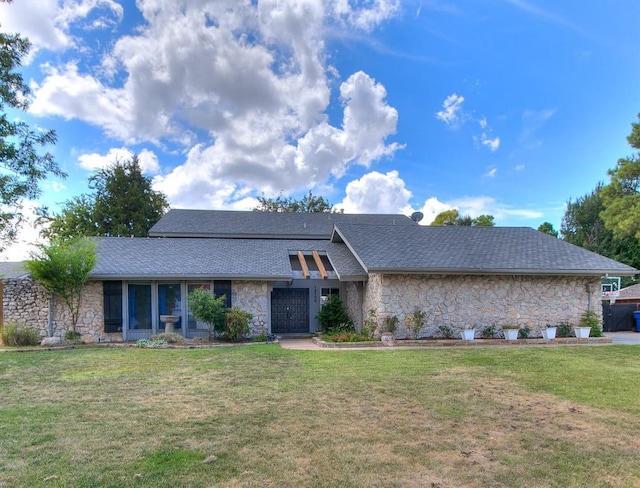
(261, 416)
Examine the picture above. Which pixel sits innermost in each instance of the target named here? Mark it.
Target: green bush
(390, 323)
(446, 331)
(590, 319)
(72, 336)
(370, 324)
(332, 314)
(262, 337)
(415, 321)
(564, 330)
(345, 337)
(169, 338)
(13, 335)
(236, 324)
(488, 332)
(208, 309)
(524, 332)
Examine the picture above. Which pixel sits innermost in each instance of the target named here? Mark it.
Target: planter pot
(468, 334)
(511, 334)
(549, 333)
(388, 339)
(582, 332)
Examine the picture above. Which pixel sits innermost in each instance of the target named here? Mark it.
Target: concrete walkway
(307, 344)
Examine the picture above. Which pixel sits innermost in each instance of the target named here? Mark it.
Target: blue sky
(506, 107)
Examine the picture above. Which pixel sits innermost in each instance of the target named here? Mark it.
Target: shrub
(446, 331)
(390, 323)
(590, 319)
(332, 314)
(208, 309)
(370, 324)
(169, 338)
(524, 332)
(13, 335)
(488, 332)
(262, 337)
(564, 329)
(345, 337)
(415, 321)
(72, 336)
(236, 324)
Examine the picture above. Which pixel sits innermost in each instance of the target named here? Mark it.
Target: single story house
(281, 267)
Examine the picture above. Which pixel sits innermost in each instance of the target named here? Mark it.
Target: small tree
(63, 269)
(332, 314)
(208, 309)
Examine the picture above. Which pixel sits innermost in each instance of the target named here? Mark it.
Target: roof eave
(181, 277)
(529, 272)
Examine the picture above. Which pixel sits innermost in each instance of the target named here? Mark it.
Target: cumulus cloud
(28, 236)
(451, 109)
(376, 193)
(94, 161)
(242, 88)
(46, 22)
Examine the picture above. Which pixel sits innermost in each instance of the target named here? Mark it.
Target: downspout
(50, 315)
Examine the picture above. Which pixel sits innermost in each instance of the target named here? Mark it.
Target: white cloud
(475, 206)
(376, 193)
(492, 144)
(46, 22)
(94, 161)
(242, 87)
(27, 238)
(491, 172)
(452, 106)
(431, 208)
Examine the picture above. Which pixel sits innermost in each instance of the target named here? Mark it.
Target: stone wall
(253, 297)
(26, 302)
(482, 301)
(353, 302)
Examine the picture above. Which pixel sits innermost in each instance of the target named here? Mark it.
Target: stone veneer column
(252, 297)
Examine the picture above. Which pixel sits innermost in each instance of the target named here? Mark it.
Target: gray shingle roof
(480, 250)
(198, 258)
(13, 269)
(287, 225)
(629, 292)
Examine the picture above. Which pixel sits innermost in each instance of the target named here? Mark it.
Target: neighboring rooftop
(630, 292)
(266, 225)
(470, 250)
(12, 270)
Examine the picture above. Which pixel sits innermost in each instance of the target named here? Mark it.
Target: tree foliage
(122, 204)
(547, 228)
(453, 217)
(23, 165)
(621, 197)
(63, 269)
(307, 204)
(208, 309)
(583, 225)
(332, 314)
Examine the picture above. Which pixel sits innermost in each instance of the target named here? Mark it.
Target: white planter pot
(468, 334)
(582, 332)
(511, 334)
(549, 333)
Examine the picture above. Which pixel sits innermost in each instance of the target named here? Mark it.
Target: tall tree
(547, 228)
(23, 164)
(308, 204)
(621, 197)
(582, 225)
(122, 204)
(63, 269)
(453, 217)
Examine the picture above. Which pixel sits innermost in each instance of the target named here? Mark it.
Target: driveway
(624, 337)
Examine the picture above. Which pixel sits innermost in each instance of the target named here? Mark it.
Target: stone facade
(253, 297)
(482, 301)
(26, 302)
(353, 301)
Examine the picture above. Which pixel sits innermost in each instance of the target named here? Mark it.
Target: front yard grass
(263, 416)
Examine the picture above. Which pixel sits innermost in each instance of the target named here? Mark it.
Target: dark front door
(289, 310)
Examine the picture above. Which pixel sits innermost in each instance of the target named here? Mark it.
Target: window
(170, 303)
(139, 301)
(223, 287)
(325, 293)
(112, 295)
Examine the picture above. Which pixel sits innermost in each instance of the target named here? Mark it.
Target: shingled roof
(266, 225)
(195, 258)
(470, 250)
